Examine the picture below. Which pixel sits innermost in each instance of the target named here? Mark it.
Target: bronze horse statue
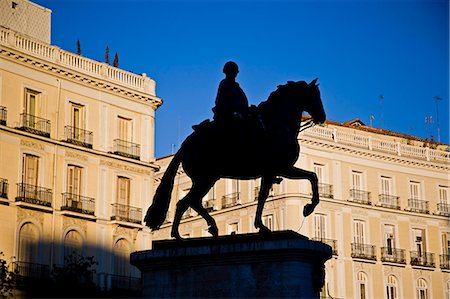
(268, 150)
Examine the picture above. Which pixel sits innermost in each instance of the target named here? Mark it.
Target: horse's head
(313, 103)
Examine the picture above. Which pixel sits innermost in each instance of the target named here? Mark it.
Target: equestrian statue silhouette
(262, 144)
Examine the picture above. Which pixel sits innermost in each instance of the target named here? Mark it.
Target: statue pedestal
(281, 264)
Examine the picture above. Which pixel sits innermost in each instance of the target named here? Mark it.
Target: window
(268, 221)
(123, 190)
(233, 228)
(443, 195)
(419, 241)
(74, 179)
(319, 226)
(357, 183)
(319, 170)
(362, 285)
(121, 264)
(414, 190)
(30, 169)
(422, 289)
(358, 229)
(32, 102)
(73, 244)
(386, 185)
(28, 243)
(389, 238)
(445, 237)
(125, 129)
(77, 116)
(392, 287)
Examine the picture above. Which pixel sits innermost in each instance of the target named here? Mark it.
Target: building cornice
(67, 65)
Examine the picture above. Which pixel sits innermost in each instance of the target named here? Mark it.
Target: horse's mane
(275, 98)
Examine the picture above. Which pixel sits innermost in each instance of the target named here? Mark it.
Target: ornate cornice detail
(32, 144)
(76, 156)
(70, 221)
(23, 214)
(125, 167)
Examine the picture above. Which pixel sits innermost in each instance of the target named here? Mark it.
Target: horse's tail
(156, 213)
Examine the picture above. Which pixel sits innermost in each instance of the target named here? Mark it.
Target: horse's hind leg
(266, 184)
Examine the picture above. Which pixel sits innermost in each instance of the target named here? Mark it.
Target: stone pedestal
(281, 264)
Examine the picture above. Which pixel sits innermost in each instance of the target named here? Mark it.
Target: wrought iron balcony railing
(443, 209)
(31, 270)
(389, 201)
(230, 200)
(127, 149)
(34, 194)
(424, 259)
(419, 206)
(209, 204)
(363, 251)
(332, 243)
(325, 190)
(77, 203)
(393, 255)
(78, 136)
(3, 115)
(35, 125)
(3, 188)
(126, 213)
(360, 196)
(444, 261)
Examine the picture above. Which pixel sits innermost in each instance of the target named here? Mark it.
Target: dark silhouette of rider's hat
(230, 68)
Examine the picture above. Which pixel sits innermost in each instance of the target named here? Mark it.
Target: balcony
(329, 242)
(418, 206)
(393, 255)
(3, 188)
(325, 190)
(27, 271)
(209, 205)
(35, 125)
(78, 136)
(444, 261)
(360, 196)
(389, 201)
(3, 115)
(424, 259)
(126, 213)
(363, 251)
(443, 209)
(77, 203)
(230, 200)
(127, 149)
(34, 195)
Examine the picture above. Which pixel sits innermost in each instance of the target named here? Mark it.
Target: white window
(419, 241)
(358, 231)
(30, 169)
(362, 285)
(123, 190)
(357, 180)
(422, 289)
(319, 170)
(445, 237)
(268, 221)
(74, 179)
(392, 287)
(233, 228)
(32, 102)
(386, 185)
(125, 129)
(443, 195)
(320, 226)
(389, 238)
(414, 190)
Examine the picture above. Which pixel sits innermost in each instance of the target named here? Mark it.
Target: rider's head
(231, 69)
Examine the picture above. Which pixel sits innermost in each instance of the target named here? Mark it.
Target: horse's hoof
(214, 231)
(264, 230)
(308, 209)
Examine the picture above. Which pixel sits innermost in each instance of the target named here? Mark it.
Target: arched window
(121, 262)
(422, 289)
(73, 244)
(392, 287)
(28, 243)
(361, 282)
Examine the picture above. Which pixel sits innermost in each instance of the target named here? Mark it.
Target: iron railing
(209, 204)
(35, 125)
(3, 115)
(78, 203)
(393, 255)
(325, 190)
(424, 259)
(389, 201)
(230, 200)
(126, 213)
(127, 149)
(332, 243)
(360, 196)
(34, 194)
(419, 206)
(3, 188)
(31, 270)
(443, 209)
(444, 261)
(363, 251)
(78, 136)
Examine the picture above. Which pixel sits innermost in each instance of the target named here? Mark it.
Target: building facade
(384, 210)
(76, 153)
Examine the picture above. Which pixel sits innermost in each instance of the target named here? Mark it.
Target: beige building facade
(76, 153)
(384, 210)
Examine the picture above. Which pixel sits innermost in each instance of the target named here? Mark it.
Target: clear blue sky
(358, 49)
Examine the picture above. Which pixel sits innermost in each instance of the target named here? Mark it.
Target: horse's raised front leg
(266, 184)
(297, 173)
